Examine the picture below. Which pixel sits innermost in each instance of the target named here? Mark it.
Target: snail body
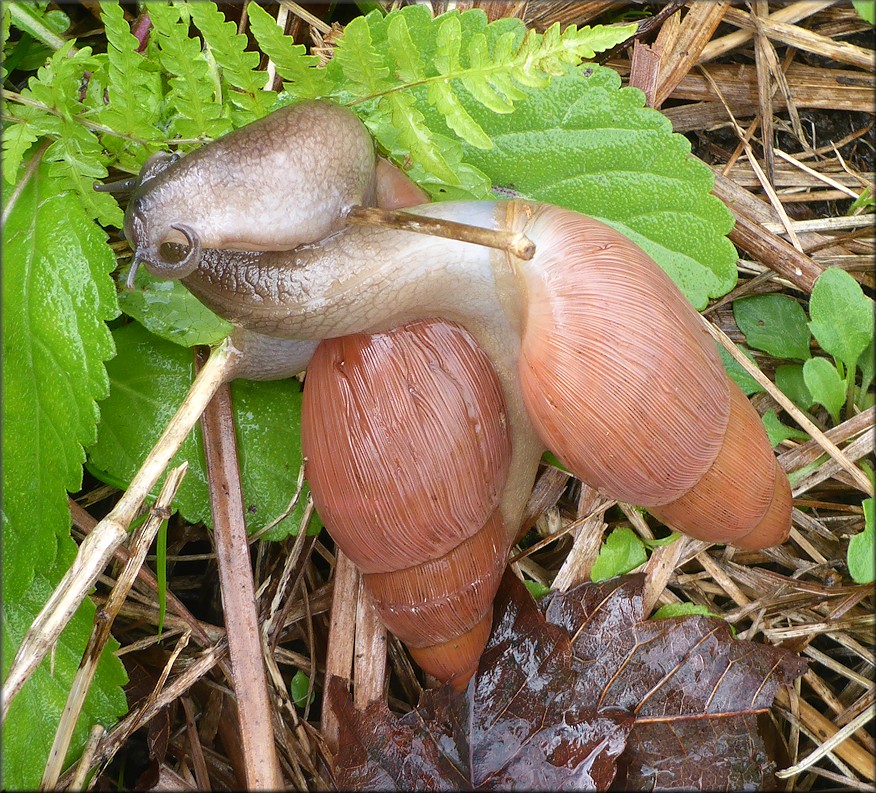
(597, 357)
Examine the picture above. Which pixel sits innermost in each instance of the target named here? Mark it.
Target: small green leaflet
(671, 610)
(825, 385)
(790, 381)
(775, 324)
(737, 374)
(866, 9)
(622, 551)
(842, 316)
(170, 311)
(299, 686)
(536, 589)
(149, 379)
(778, 432)
(862, 548)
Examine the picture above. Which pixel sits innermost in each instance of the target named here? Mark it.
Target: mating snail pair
(423, 441)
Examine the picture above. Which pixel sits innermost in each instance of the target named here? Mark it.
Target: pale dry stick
(694, 33)
(95, 736)
(802, 39)
(763, 67)
(342, 630)
(98, 547)
(659, 569)
(158, 699)
(857, 474)
(812, 172)
(239, 606)
(830, 745)
(369, 654)
(857, 449)
(199, 764)
(755, 166)
(514, 242)
(579, 561)
(103, 622)
(790, 13)
(823, 224)
(303, 13)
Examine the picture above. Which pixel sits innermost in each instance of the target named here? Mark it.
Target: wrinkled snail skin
(618, 378)
(238, 192)
(407, 457)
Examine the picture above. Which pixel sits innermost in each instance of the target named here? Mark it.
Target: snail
(598, 357)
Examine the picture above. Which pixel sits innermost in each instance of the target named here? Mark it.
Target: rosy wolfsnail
(598, 356)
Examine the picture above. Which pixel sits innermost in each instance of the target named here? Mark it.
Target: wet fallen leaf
(586, 695)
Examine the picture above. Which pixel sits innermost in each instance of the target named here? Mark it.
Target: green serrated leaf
(621, 552)
(33, 717)
(790, 381)
(737, 374)
(842, 316)
(442, 96)
(17, 139)
(825, 385)
(586, 144)
(57, 295)
(169, 310)
(778, 432)
(775, 324)
(290, 59)
(861, 556)
(148, 381)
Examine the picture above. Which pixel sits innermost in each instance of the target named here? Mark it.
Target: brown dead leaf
(593, 695)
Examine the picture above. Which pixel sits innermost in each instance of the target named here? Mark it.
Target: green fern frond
(360, 62)
(416, 137)
(133, 86)
(192, 95)
(18, 136)
(291, 60)
(239, 66)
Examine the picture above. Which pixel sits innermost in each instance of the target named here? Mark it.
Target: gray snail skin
(596, 355)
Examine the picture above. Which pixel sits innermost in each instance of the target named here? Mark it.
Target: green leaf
(672, 610)
(862, 548)
(775, 324)
(57, 295)
(17, 139)
(192, 90)
(825, 385)
(148, 381)
(409, 65)
(362, 64)
(842, 316)
(621, 552)
(737, 374)
(133, 88)
(866, 9)
(866, 363)
(290, 59)
(790, 381)
(239, 66)
(170, 311)
(778, 432)
(535, 589)
(299, 685)
(588, 145)
(34, 715)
